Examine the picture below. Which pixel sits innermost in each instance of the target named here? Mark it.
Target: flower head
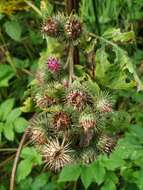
(73, 28)
(56, 154)
(51, 27)
(37, 135)
(61, 120)
(53, 64)
(104, 103)
(87, 121)
(106, 144)
(77, 99)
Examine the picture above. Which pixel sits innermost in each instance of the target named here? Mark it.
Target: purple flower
(53, 64)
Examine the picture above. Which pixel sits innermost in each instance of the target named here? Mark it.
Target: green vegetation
(106, 56)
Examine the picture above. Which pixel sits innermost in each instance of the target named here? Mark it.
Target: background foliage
(118, 45)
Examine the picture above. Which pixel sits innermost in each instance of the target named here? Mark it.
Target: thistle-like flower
(88, 155)
(53, 64)
(40, 77)
(44, 101)
(104, 103)
(77, 99)
(73, 28)
(87, 121)
(61, 120)
(57, 155)
(51, 27)
(106, 144)
(37, 135)
(38, 129)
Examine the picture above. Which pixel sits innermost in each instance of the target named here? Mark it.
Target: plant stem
(34, 8)
(7, 160)
(71, 63)
(12, 179)
(8, 149)
(73, 57)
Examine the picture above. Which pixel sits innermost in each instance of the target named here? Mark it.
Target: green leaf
(8, 131)
(109, 185)
(110, 181)
(114, 162)
(20, 124)
(139, 177)
(99, 172)
(6, 73)
(5, 108)
(70, 173)
(13, 115)
(24, 169)
(40, 181)
(117, 36)
(31, 154)
(13, 29)
(26, 183)
(87, 175)
(28, 105)
(102, 63)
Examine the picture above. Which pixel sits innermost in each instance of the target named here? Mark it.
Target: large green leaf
(8, 131)
(102, 63)
(110, 181)
(117, 36)
(99, 172)
(13, 115)
(31, 154)
(114, 162)
(139, 177)
(109, 185)
(40, 181)
(20, 124)
(13, 29)
(87, 175)
(5, 108)
(24, 169)
(70, 173)
(6, 73)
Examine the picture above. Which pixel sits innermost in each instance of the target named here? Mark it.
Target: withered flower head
(73, 28)
(77, 99)
(87, 121)
(51, 27)
(106, 144)
(57, 155)
(37, 135)
(104, 103)
(61, 120)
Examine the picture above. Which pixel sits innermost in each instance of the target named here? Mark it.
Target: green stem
(34, 8)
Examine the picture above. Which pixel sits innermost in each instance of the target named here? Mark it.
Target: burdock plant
(69, 124)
